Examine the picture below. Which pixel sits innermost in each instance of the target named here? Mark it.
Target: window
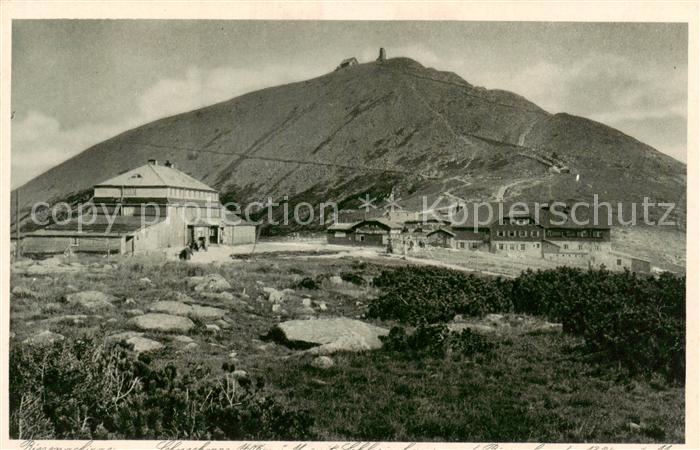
(501, 246)
(339, 234)
(74, 241)
(619, 262)
(534, 233)
(475, 245)
(522, 247)
(537, 245)
(461, 245)
(511, 247)
(523, 233)
(597, 234)
(500, 233)
(566, 246)
(511, 233)
(580, 246)
(584, 233)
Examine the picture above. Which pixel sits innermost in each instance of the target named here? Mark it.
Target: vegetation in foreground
(425, 384)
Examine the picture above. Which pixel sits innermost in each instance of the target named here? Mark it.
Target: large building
(147, 208)
(532, 231)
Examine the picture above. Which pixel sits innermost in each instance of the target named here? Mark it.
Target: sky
(76, 83)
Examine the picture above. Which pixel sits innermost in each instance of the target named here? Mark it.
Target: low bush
(80, 389)
(636, 320)
(430, 294)
(436, 341)
(353, 278)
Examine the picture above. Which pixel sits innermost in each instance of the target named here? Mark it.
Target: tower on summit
(382, 54)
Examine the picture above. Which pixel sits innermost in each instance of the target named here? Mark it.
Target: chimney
(153, 162)
(169, 164)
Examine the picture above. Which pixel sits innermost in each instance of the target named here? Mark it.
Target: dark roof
(155, 175)
(441, 230)
(342, 226)
(557, 216)
(383, 222)
(101, 225)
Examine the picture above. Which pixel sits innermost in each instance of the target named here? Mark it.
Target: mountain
(376, 128)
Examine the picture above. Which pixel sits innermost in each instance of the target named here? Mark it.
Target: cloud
(612, 90)
(39, 142)
(199, 88)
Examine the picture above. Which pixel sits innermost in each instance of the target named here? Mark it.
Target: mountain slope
(377, 127)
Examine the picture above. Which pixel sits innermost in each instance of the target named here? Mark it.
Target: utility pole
(18, 244)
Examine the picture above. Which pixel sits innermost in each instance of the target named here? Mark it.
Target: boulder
(335, 279)
(306, 301)
(240, 375)
(162, 322)
(274, 295)
(171, 307)
(322, 306)
(330, 335)
(183, 339)
(142, 344)
(212, 328)
(220, 296)
(209, 283)
(206, 312)
(133, 312)
(190, 347)
(145, 281)
(223, 324)
(322, 362)
(123, 336)
(92, 300)
(44, 338)
(183, 309)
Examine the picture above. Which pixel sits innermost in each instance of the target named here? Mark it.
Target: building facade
(147, 208)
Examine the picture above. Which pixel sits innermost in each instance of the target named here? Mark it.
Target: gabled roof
(100, 225)
(347, 226)
(150, 175)
(384, 222)
(441, 230)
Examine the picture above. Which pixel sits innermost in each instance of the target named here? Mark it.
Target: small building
(441, 237)
(349, 62)
(372, 232)
(615, 260)
(147, 208)
(341, 233)
(376, 232)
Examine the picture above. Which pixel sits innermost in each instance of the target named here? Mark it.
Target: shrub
(80, 390)
(307, 283)
(417, 294)
(435, 341)
(638, 321)
(353, 278)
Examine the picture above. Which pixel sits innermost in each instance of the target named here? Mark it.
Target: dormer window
(136, 175)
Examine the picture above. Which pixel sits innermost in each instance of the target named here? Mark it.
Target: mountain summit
(391, 125)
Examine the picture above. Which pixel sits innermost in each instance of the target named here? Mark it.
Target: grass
(536, 388)
(530, 388)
